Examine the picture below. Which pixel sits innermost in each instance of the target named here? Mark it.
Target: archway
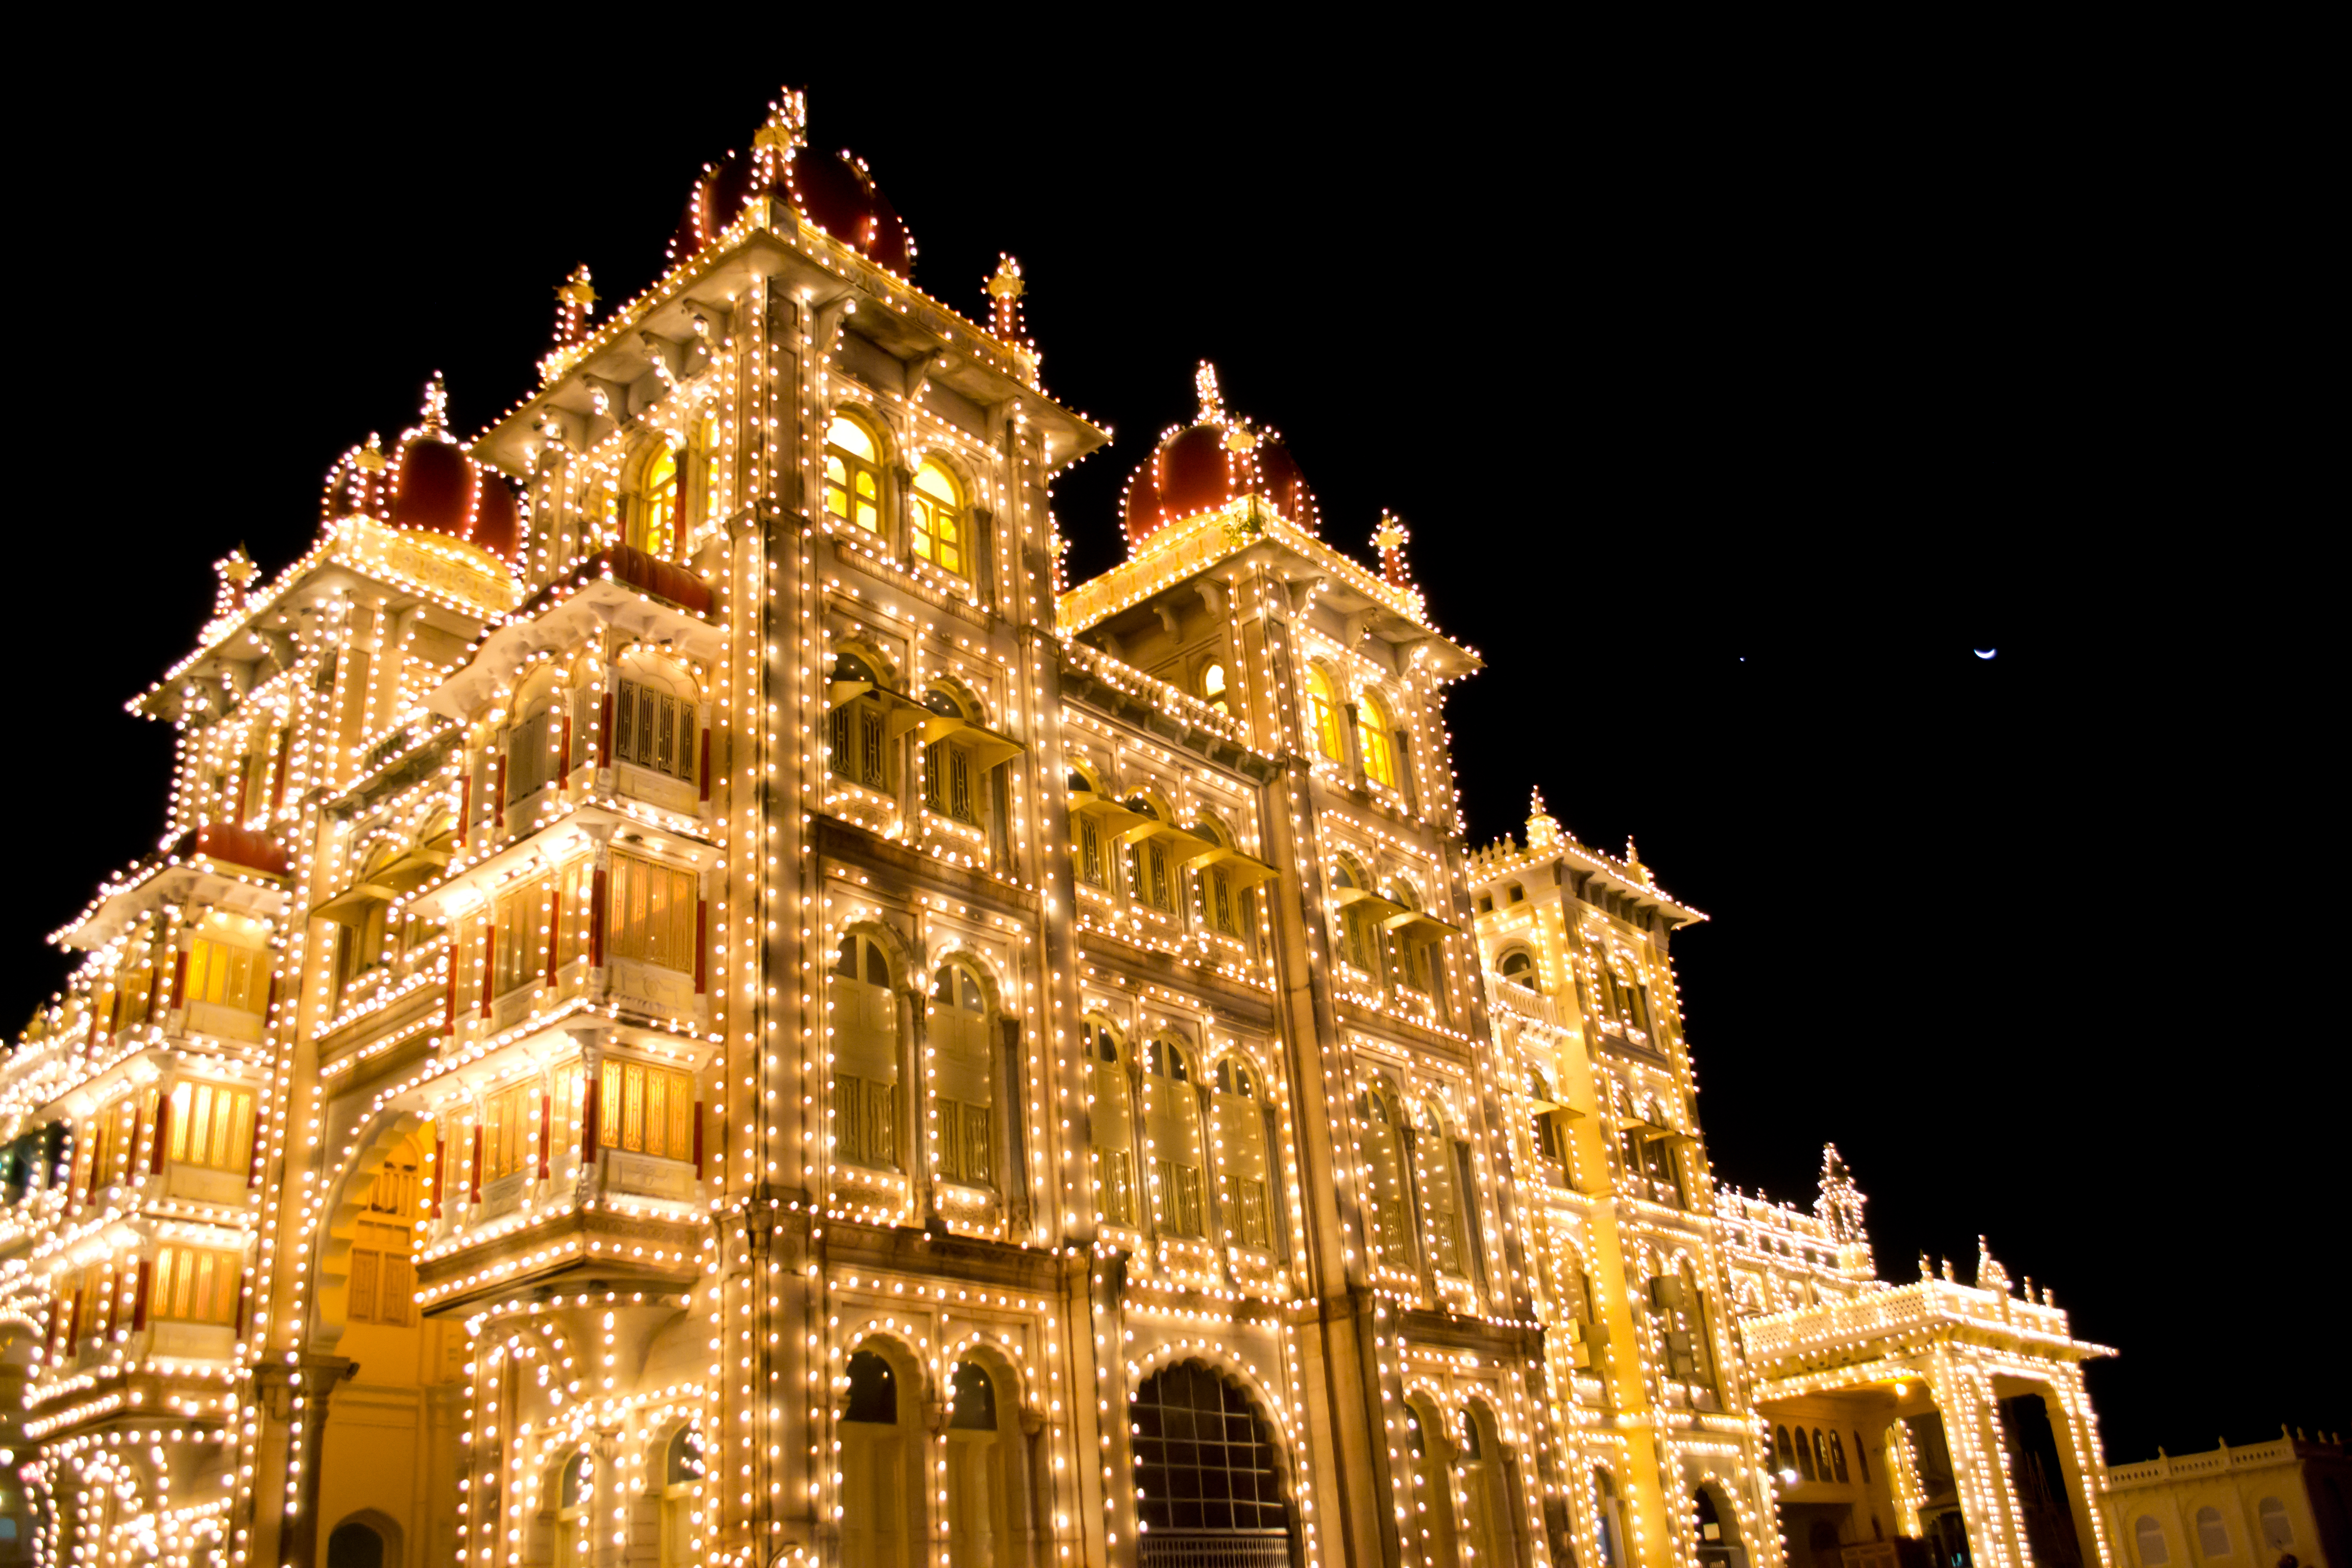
(987, 1468)
(881, 1459)
(1717, 1527)
(1209, 1473)
(1431, 1519)
(365, 1540)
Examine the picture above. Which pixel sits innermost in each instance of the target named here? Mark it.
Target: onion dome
(1218, 458)
(835, 192)
(428, 484)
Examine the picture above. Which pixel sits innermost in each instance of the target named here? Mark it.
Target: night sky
(1729, 420)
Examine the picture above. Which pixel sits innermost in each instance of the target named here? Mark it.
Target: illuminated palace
(698, 1004)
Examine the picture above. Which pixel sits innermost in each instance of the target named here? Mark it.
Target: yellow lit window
(647, 1110)
(651, 915)
(522, 937)
(383, 1275)
(1380, 745)
(1323, 715)
(657, 529)
(212, 1125)
(232, 976)
(196, 1287)
(510, 1131)
(707, 449)
(1212, 687)
(853, 483)
(939, 527)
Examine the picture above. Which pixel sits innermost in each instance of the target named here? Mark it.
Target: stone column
(1971, 1416)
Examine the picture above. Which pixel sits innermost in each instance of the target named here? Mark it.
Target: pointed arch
(1110, 1114)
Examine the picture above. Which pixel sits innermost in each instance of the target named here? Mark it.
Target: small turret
(1838, 1208)
(1390, 540)
(575, 302)
(1005, 290)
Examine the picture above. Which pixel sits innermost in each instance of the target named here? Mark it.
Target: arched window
(351, 1545)
(1837, 1454)
(864, 1017)
(1113, 1125)
(1151, 873)
(1171, 1121)
(1378, 742)
(1241, 1148)
(1442, 1203)
(1786, 1450)
(1433, 1486)
(1822, 1457)
(2147, 1537)
(1415, 963)
(1485, 1487)
(1387, 1198)
(855, 731)
(2212, 1535)
(852, 474)
(961, 756)
(880, 1464)
(1226, 905)
(576, 1490)
(1805, 1455)
(706, 462)
(1518, 967)
(1213, 686)
(1323, 715)
(682, 1472)
(962, 1077)
(1548, 1142)
(2277, 1533)
(987, 1484)
(1358, 947)
(938, 531)
(1862, 1457)
(1205, 1465)
(654, 528)
(1612, 1520)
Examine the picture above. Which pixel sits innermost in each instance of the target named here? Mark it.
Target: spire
(1990, 1275)
(1633, 859)
(575, 302)
(435, 414)
(237, 573)
(1390, 540)
(1213, 402)
(1840, 1203)
(1004, 292)
(1542, 828)
(787, 127)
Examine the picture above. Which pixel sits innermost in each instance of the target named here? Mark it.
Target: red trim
(253, 1137)
(440, 1163)
(554, 926)
(588, 1103)
(449, 1023)
(241, 1305)
(564, 765)
(180, 981)
(596, 920)
(163, 1133)
(465, 806)
(698, 1139)
(546, 1130)
(490, 961)
(705, 764)
(139, 1302)
(278, 784)
(605, 730)
(477, 1185)
(499, 795)
(269, 1003)
(701, 943)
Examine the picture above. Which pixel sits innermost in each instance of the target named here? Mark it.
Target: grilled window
(1204, 1457)
(647, 1110)
(653, 913)
(194, 1286)
(654, 729)
(212, 1126)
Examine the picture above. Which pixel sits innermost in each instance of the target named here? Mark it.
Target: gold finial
(1213, 402)
(787, 125)
(371, 458)
(575, 290)
(1240, 437)
(1007, 284)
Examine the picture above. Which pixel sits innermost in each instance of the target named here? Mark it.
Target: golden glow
(936, 519)
(853, 483)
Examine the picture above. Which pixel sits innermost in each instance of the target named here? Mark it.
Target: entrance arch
(881, 1436)
(1210, 1474)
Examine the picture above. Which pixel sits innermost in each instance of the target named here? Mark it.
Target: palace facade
(698, 1004)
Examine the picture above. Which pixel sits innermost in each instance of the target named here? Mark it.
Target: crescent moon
(1984, 652)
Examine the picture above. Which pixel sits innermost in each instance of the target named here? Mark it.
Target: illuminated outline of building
(698, 1005)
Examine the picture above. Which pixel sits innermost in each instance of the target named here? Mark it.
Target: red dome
(1219, 458)
(437, 489)
(834, 192)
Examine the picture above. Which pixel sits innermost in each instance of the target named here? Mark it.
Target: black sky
(1732, 409)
